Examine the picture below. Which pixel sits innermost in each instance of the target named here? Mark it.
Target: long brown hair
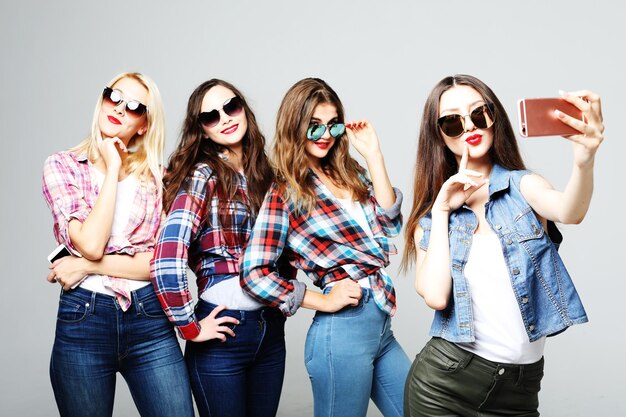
(292, 166)
(195, 148)
(435, 163)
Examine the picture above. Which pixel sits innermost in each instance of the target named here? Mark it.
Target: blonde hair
(289, 153)
(145, 158)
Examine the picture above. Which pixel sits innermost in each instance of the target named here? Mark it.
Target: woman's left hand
(364, 139)
(67, 271)
(587, 142)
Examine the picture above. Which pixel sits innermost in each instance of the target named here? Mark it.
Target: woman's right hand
(459, 187)
(346, 292)
(214, 328)
(110, 155)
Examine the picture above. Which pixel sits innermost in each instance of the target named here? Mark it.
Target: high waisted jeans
(243, 376)
(446, 380)
(352, 356)
(95, 339)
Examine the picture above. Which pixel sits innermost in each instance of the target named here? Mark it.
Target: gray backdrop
(382, 60)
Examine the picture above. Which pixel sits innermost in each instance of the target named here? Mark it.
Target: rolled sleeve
(260, 266)
(63, 191)
(425, 224)
(391, 218)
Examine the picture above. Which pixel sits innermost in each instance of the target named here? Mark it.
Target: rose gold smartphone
(536, 117)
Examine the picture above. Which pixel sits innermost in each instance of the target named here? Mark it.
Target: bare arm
(70, 270)
(433, 279)
(91, 236)
(363, 137)
(571, 204)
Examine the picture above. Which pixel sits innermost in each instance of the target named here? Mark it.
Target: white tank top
(498, 326)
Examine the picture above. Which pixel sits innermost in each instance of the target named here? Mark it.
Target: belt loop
(92, 307)
(520, 375)
(366, 294)
(242, 315)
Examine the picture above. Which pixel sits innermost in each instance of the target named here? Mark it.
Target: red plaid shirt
(327, 244)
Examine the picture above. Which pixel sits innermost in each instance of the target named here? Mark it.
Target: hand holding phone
(537, 117)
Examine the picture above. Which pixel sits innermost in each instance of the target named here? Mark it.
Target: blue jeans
(242, 376)
(352, 356)
(95, 339)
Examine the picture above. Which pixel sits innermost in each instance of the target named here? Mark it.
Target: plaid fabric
(327, 244)
(211, 250)
(71, 191)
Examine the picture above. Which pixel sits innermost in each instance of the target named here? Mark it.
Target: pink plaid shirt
(71, 191)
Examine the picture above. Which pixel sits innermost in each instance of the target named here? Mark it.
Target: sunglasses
(316, 131)
(232, 107)
(453, 125)
(114, 98)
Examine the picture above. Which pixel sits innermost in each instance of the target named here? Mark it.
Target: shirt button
(524, 300)
(515, 271)
(498, 227)
(531, 327)
(501, 371)
(509, 242)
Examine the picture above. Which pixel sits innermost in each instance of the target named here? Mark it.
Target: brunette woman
(328, 219)
(214, 186)
(482, 236)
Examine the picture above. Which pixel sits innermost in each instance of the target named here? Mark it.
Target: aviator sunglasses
(453, 125)
(115, 98)
(316, 130)
(232, 107)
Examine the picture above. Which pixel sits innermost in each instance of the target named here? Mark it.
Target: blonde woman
(105, 197)
(329, 220)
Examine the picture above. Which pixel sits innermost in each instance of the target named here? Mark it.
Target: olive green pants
(446, 380)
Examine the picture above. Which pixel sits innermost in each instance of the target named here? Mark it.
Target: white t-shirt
(500, 333)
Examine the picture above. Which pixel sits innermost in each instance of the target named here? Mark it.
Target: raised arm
(365, 140)
(571, 204)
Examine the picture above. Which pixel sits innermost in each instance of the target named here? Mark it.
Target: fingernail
(558, 114)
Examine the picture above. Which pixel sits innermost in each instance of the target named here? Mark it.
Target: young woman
(328, 220)
(214, 186)
(105, 198)
(482, 235)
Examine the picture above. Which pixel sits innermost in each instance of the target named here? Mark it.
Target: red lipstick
(474, 139)
(114, 120)
(322, 145)
(230, 130)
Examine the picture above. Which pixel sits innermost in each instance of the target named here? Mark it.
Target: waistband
(203, 308)
(108, 300)
(499, 370)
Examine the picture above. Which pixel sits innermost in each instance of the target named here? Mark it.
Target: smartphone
(536, 117)
(58, 253)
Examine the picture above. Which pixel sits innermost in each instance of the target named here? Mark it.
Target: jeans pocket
(311, 340)
(150, 307)
(72, 310)
(438, 359)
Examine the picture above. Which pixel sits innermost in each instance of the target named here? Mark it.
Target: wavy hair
(145, 157)
(435, 163)
(194, 148)
(289, 152)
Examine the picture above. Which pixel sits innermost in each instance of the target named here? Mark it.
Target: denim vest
(545, 293)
